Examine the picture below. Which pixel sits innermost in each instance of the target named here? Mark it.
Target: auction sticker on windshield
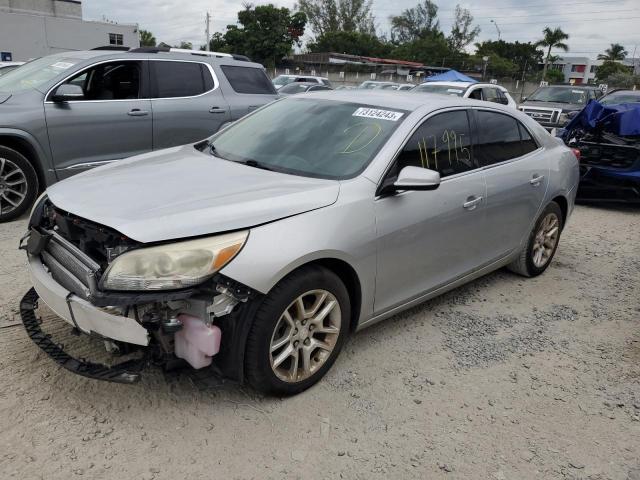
(378, 114)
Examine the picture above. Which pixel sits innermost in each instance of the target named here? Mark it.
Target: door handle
(136, 112)
(472, 202)
(217, 110)
(536, 180)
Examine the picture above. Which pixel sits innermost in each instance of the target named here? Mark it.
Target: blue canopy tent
(450, 76)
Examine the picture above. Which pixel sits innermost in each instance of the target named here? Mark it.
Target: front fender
(43, 160)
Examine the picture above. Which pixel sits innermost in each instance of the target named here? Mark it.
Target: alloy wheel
(13, 186)
(305, 335)
(545, 240)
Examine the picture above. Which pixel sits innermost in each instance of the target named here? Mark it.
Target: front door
(187, 102)
(111, 121)
(427, 239)
(517, 175)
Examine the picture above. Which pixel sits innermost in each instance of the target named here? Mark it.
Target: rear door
(517, 176)
(111, 121)
(187, 102)
(246, 88)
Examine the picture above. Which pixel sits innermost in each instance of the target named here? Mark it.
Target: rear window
(498, 138)
(248, 80)
(180, 79)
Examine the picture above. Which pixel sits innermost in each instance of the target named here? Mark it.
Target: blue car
(608, 137)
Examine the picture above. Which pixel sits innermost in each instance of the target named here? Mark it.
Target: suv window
(180, 79)
(528, 143)
(441, 143)
(499, 138)
(110, 81)
(248, 80)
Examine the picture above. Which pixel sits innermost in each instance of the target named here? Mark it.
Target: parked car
(282, 80)
(488, 92)
(345, 87)
(258, 252)
(6, 67)
(373, 84)
(618, 96)
(553, 106)
(608, 138)
(405, 86)
(68, 112)
(301, 87)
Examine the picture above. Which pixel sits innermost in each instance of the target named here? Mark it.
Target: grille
(69, 266)
(543, 115)
(606, 155)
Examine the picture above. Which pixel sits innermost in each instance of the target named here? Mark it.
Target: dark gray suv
(66, 113)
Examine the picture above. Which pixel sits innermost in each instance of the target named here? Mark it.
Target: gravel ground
(505, 378)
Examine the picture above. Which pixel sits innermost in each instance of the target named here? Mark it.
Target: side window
(491, 95)
(248, 80)
(476, 94)
(498, 138)
(441, 143)
(528, 143)
(110, 81)
(180, 79)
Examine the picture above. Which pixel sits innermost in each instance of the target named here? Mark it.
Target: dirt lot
(505, 378)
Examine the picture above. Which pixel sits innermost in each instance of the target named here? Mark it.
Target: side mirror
(67, 92)
(523, 99)
(417, 178)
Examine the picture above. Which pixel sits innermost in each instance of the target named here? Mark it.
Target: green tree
(555, 76)
(338, 15)
(552, 39)
(462, 32)
(147, 39)
(217, 43)
(185, 45)
(622, 80)
(355, 43)
(609, 68)
(431, 50)
(525, 55)
(265, 33)
(613, 53)
(415, 23)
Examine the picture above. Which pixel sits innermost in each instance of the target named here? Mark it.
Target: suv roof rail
(112, 47)
(202, 53)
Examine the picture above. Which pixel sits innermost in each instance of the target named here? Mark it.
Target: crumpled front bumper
(80, 313)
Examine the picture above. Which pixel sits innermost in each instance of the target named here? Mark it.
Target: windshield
(559, 95)
(442, 89)
(295, 88)
(621, 97)
(309, 137)
(281, 80)
(35, 73)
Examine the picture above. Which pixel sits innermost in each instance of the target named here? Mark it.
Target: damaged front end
(201, 323)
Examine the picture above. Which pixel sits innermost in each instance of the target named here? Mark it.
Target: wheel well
(350, 278)
(564, 207)
(26, 149)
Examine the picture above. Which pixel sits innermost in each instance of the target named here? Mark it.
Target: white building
(34, 28)
(581, 70)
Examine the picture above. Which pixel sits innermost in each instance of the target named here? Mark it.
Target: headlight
(173, 266)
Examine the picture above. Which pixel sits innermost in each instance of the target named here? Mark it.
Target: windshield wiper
(256, 164)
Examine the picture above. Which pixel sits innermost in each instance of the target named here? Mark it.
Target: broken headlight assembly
(174, 265)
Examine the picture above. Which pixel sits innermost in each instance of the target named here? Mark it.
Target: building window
(592, 69)
(578, 68)
(558, 66)
(116, 39)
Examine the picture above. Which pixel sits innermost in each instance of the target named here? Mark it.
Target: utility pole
(208, 21)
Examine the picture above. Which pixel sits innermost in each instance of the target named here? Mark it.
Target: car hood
(181, 192)
(565, 107)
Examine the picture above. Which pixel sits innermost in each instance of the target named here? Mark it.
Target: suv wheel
(298, 332)
(542, 244)
(18, 184)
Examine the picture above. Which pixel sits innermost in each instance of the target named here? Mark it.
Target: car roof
(575, 87)
(302, 76)
(404, 100)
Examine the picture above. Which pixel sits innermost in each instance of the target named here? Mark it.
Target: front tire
(297, 332)
(18, 184)
(542, 243)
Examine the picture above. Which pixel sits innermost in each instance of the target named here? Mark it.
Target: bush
(622, 80)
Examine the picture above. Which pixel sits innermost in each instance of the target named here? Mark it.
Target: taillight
(576, 152)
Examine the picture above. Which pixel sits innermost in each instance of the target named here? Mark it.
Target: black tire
(258, 370)
(29, 189)
(524, 264)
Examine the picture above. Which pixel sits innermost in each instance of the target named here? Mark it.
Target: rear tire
(541, 245)
(297, 332)
(18, 184)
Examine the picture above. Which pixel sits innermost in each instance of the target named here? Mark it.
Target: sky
(592, 24)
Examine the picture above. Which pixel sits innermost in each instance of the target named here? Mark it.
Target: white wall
(32, 36)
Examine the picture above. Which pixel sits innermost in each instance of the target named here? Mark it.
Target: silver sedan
(257, 252)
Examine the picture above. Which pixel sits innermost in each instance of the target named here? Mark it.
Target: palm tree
(147, 39)
(552, 39)
(613, 53)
